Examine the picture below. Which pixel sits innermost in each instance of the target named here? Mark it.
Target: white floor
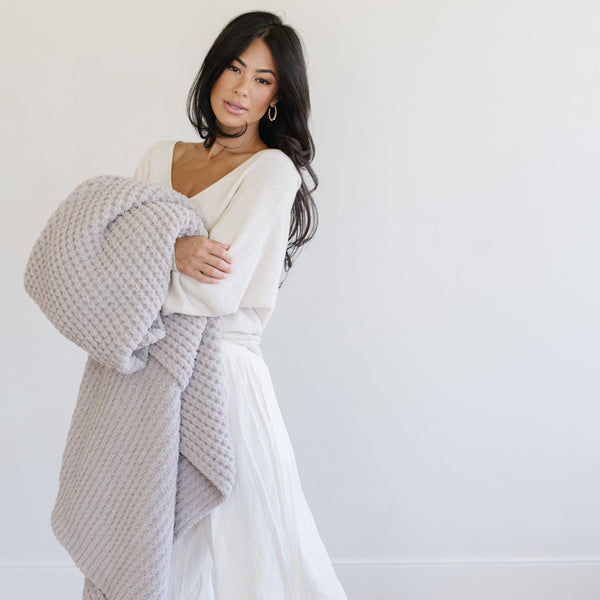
(504, 580)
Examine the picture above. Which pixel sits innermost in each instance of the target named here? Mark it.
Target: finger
(226, 246)
(197, 272)
(209, 271)
(216, 266)
(205, 251)
(220, 250)
(222, 255)
(220, 264)
(200, 276)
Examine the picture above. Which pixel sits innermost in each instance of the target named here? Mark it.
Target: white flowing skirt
(262, 542)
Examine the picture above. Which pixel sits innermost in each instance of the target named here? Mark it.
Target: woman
(250, 105)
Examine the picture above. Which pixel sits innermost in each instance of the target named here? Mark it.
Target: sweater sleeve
(256, 224)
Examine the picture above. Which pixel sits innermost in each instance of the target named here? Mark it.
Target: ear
(274, 101)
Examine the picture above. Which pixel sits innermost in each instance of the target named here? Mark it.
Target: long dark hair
(289, 132)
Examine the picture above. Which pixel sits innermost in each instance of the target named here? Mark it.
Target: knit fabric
(149, 450)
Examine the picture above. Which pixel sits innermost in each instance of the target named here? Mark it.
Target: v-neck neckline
(245, 162)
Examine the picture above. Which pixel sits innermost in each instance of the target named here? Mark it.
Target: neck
(250, 142)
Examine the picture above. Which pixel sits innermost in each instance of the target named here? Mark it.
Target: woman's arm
(199, 257)
(254, 226)
(204, 259)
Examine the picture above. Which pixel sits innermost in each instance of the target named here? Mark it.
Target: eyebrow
(257, 70)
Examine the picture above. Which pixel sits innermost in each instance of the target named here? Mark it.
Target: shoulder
(270, 178)
(162, 149)
(156, 161)
(274, 166)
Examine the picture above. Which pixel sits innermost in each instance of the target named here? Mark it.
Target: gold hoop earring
(272, 118)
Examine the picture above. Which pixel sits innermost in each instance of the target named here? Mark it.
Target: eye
(234, 69)
(263, 81)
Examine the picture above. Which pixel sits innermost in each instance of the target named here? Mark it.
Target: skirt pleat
(262, 543)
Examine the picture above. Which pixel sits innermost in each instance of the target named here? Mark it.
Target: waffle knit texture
(149, 450)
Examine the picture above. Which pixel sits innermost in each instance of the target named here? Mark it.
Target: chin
(231, 127)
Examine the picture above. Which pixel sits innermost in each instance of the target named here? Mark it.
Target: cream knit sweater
(248, 208)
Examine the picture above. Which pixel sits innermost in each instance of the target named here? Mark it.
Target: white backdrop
(435, 350)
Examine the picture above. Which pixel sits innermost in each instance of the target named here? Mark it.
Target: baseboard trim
(499, 578)
(531, 578)
(9, 565)
(351, 562)
(469, 562)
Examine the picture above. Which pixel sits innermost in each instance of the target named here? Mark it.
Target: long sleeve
(256, 223)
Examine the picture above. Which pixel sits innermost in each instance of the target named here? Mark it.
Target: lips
(236, 109)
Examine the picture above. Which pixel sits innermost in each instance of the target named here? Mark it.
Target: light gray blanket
(149, 449)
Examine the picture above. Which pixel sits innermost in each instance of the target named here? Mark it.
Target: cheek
(267, 95)
(213, 97)
(274, 94)
(217, 90)
(225, 81)
(218, 85)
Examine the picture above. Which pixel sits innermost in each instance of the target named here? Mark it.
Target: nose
(241, 86)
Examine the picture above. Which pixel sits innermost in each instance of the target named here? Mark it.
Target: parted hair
(289, 132)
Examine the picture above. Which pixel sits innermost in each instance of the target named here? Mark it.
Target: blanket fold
(149, 450)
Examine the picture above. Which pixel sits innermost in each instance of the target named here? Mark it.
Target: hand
(203, 259)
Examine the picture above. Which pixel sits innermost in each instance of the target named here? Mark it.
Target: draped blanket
(149, 451)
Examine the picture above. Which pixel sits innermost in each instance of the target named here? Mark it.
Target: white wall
(435, 349)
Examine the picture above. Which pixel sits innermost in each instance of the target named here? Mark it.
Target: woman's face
(243, 92)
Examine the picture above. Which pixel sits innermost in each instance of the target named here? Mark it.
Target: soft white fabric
(262, 543)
